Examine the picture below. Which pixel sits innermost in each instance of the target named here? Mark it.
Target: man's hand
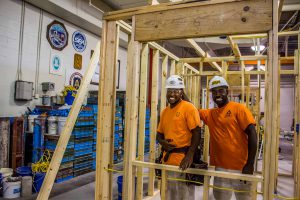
(248, 169)
(186, 161)
(166, 145)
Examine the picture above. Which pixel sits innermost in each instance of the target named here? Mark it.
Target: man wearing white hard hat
(178, 132)
(233, 140)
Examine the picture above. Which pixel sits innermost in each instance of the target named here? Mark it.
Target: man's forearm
(196, 137)
(252, 144)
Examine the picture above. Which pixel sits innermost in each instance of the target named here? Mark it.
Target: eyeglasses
(174, 91)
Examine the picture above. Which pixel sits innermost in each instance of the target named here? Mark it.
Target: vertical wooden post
(153, 119)
(297, 135)
(248, 93)
(179, 69)
(68, 127)
(106, 110)
(163, 184)
(172, 67)
(131, 115)
(206, 147)
(142, 118)
(272, 108)
(164, 73)
(243, 81)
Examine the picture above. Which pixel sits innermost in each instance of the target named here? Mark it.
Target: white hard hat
(174, 81)
(217, 81)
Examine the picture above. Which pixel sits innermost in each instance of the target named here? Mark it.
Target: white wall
(10, 17)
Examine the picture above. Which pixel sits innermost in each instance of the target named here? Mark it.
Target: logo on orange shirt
(177, 114)
(228, 114)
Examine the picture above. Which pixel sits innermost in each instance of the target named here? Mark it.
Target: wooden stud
(172, 67)
(208, 172)
(234, 47)
(296, 151)
(142, 117)
(106, 110)
(153, 119)
(68, 127)
(206, 146)
(272, 109)
(163, 184)
(243, 82)
(225, 58)
(201, 21)
(164, 73)
(131, 114)
(179, 69)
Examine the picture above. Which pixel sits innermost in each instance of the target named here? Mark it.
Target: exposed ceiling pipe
(291, 7)
(92, 5)
(20, 51)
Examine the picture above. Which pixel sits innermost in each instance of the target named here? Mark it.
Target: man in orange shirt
(233, 140)
(179, 134)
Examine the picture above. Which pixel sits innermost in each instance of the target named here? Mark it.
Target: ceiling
(216, 46)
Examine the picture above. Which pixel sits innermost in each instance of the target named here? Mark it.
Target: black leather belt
(176, 150)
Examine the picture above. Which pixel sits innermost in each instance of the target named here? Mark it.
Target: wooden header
(227, 18)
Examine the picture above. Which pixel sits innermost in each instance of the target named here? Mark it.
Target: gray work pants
(177, 190)
(233, 184)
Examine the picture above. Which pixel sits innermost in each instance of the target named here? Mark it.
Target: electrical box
(23, 90)
(48, 86)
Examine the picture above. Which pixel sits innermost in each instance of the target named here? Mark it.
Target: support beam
(142, 118)
(131, 116)
(201, 53)
(153, 119)
(201, 21)
(220, 59)
(68, 127)
(206, 172)
(271, 109)
(106, 110)
(234, 47)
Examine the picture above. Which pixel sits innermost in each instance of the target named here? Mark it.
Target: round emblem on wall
(57, 35)
(75, 80)
(79, 41)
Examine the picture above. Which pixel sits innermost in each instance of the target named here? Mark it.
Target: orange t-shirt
(228, 141)
(176, 125)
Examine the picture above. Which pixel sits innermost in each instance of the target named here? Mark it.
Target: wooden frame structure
(158, 22)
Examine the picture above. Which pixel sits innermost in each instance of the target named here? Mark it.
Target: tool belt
(197, 163)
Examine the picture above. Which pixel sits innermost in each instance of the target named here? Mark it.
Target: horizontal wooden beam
(128, 13)
(215, 73)
(209, 172)
(264, 35)
(230, 18)
(220, 59)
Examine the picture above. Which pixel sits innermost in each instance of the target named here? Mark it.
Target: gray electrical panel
(23, 90)
(48, 86)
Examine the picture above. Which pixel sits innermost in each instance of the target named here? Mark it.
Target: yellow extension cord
(212, 186)
(43, 164)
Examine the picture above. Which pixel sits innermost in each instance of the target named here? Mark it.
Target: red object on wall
(17, 142)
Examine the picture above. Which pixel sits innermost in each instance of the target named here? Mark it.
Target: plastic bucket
(52, 125)
(120, 185)
(24, 171)
(31, 122)
(6, 172)
(26, 186)
(12, 188)
(61, 124)
(38, 181)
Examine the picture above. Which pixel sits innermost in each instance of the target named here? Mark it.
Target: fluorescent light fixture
(261, 47)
